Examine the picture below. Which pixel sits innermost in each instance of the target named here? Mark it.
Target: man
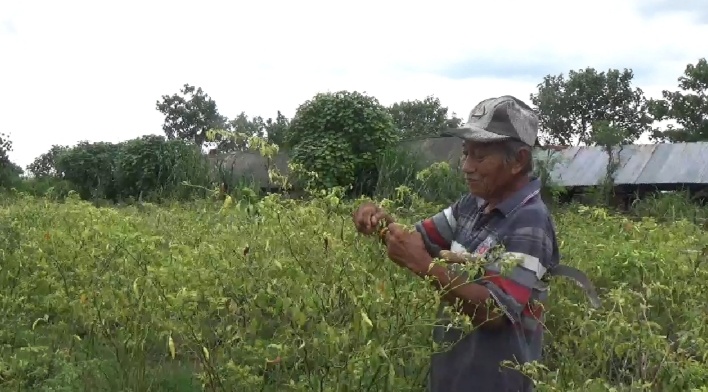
(504, 209)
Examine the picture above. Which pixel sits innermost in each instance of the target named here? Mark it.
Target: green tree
(339, 136)
(153, 168)
(9, 172)
(244, 128)
(610, 139)
(420, 119)
(277, 129)
(190, 114)
(688, 107)
(45, 165)
(5, 148)
(567, 108)
(273, 130)
(90, 167)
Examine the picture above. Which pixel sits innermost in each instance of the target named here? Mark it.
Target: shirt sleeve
(438, 231)
(532, 251)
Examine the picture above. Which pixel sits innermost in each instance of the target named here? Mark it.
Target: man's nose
(468, 166)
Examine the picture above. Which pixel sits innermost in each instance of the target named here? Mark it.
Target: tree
(9, 171)
(244, 128)
(45, 165)
(273, 130)
(277, 129)
(190, 114)
(567, 108)
(5, 148)
(419, 119)
(339, 136)
(689, 107)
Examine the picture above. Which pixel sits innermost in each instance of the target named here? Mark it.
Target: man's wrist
(423, 266)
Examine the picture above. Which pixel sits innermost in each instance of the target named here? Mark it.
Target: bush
(10, 175)
(338, 136)
(9, 172)
(438, 182)
(90, 167)
(282, 295)
(150, 167)
(52, 188)
(156, 168)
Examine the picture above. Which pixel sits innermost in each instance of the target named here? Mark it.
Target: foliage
(671, 206)
(689, 107)
(543, 164)
(10, 175)
(338, 136)
(9, 172)
(149, 167)
(5, 148)
(244, 126)
(419, 119)
(281, 295)
(90, 167)
(568, 108)
(45, 165)
(611, 139)
(155, 168)
(190, 114)
(273, 131)
(52, 188)
(277, 130)
(401, 167)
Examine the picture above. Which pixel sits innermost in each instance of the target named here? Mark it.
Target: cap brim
(475, 134)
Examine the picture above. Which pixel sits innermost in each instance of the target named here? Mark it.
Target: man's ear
(522, 156)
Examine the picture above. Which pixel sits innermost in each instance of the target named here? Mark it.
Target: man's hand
(407, 249)
(367, 218)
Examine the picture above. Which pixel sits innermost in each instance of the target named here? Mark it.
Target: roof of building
(680, 163)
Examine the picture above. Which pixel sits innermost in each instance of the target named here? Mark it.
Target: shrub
(338, 136)
(155, 168)
(90, 167)
(281, 295)
(150, 167)
(10, 175)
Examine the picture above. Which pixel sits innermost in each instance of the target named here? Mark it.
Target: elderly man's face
(486, 172)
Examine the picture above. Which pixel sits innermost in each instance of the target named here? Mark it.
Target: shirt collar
(514, 201)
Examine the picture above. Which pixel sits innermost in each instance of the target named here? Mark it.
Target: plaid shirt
(523, 226)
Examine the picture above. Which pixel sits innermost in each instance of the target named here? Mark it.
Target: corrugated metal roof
(676, 163)
(680, 163)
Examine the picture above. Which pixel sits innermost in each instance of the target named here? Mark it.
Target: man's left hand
(407, 249)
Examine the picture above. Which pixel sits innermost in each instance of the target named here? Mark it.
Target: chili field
(283, 295)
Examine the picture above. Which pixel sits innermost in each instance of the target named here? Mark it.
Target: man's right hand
(367, 218)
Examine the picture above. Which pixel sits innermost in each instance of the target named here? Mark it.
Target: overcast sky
(87, 70)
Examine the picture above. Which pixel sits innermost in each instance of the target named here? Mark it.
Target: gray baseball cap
(497, 119)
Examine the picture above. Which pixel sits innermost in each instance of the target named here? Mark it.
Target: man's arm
(438, 231)
(486, 300)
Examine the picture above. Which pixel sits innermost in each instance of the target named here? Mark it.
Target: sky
(94, 70)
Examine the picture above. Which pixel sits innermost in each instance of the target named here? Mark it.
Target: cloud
(87, 70)
(525, 70)
(697, 10)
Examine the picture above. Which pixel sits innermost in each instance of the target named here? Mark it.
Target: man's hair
(510, 148)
